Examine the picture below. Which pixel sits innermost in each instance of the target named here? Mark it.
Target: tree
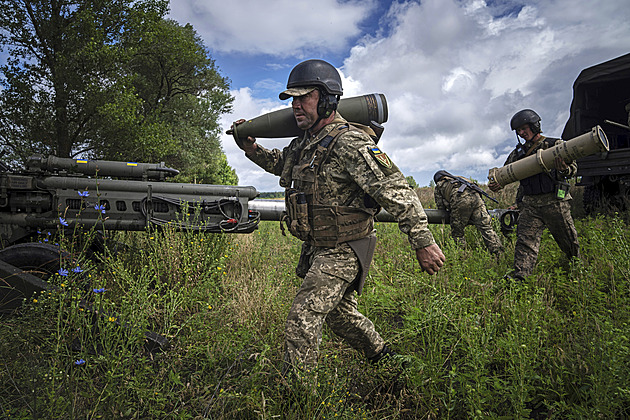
(412, 182)
(109, 79)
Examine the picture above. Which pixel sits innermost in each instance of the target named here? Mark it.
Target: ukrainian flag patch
(381, 158)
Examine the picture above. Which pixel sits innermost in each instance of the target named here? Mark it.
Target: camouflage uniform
(537, 211)
(466, 208)
(354, 167)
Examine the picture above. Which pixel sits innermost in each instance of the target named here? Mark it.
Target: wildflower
(63, 272)
(101, 290)
(77, 270)
(63, 284)
(63, 221)
(100, 207)
(34, 300)
(84, 193)
(112, 319)
(79, 362)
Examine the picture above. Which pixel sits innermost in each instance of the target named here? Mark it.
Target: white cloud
(277, 27)
(453, 71)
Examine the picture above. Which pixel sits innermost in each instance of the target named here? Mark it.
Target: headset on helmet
(324, 76)
(526, 116)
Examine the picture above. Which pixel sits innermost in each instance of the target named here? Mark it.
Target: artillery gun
(53, 193)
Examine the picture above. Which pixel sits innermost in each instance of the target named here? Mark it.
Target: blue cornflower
(101, 290)
(84, 193)
(63, 272)
(63, 221)
(77, 270)
(79, 362)
(100, 207)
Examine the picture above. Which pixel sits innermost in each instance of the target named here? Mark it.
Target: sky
(454, 72)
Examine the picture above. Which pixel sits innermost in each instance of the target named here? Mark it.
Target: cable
(231, 210)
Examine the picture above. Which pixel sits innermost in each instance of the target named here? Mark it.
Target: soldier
(543, 200)
(334, 176)
(462, 199)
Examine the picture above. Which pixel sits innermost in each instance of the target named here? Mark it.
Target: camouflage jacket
(541, 199)
(446, 191)
(354, 167)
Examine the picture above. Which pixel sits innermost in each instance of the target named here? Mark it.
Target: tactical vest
(310, 220)
(544, 182)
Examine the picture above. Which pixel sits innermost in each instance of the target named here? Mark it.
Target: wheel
(24, 269)
(592, 199)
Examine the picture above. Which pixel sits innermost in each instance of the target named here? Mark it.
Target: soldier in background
(543, 200)
(335, 178)
(463, 201)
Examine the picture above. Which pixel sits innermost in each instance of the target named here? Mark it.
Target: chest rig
(544, 182)
(308, 216)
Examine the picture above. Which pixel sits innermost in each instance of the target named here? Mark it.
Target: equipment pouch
(364, 250)
(305, 261)
(297, 209)
(562, 189)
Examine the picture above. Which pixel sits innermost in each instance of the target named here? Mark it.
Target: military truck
(601, 96)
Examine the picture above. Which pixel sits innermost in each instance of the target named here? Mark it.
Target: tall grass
(477, 346)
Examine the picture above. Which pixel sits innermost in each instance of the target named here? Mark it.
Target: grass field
(477, 346)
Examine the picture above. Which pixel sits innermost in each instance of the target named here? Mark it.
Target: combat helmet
(526, 116)
(319, 74)
(439, 175)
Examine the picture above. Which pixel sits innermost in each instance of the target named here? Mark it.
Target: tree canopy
(110, 79)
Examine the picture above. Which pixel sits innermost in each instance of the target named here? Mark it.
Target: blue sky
(453, 71)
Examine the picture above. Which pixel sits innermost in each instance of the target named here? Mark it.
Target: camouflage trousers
(327, 295)
(467, 208)
(532, 221)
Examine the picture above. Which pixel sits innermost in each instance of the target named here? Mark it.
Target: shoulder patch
(380, 157)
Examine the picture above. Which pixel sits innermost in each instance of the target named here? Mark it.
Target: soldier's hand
(494, 186)
(431, 258)
(560, 164)
(249, 144)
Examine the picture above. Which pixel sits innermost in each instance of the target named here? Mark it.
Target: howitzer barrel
(273, 210)
(366, 109)
(102, 168)
(585, 145)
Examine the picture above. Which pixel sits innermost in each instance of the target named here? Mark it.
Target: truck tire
(592, 199)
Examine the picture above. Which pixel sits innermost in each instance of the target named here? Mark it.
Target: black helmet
(526, 116)
(439, 175)
(319, 74)
(314, 73)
